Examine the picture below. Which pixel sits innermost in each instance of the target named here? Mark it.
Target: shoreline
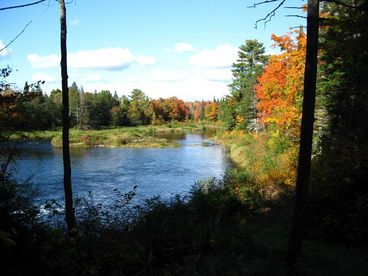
(128, 137)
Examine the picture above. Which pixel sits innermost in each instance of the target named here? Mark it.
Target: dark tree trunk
(306, 135)
(69, 210)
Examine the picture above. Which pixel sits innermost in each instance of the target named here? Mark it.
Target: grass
(134, 137)
(122, 137)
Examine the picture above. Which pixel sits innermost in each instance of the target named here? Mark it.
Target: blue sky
(181, 48)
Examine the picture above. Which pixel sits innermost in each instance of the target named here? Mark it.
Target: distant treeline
(32, 109)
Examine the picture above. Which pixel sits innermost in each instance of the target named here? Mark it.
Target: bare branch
(22, 6)
(297, 27)
(7, 45)
(271, 14)
(263, 2)
(294, 15)
(295, 8)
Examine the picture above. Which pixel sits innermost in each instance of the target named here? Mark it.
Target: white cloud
(171, 76)
(104, 58)
(190, 84)
(183, 47)
(146, 60)
(197, 88)
(5, 52)
(42, 77)
(221, 57)
(224, 75)
(207, 77)
(193, 88)
(90, 78)
(43, 62)
(100, 59)
(82, 77)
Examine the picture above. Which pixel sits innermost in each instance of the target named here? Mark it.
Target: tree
(211, 111)
(198, 112)
(306, 135)
(104, 102)
(138, 108)
(339, 184)
(227, 112)
(74, 105)
(280, 86)
(174, 109)
(69, 209)
(247, 68)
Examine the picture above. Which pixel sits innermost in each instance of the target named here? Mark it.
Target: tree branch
(271, 14)
(263, 2)
(295, 8)
(7, 45)
(294, 15)
(22, 6)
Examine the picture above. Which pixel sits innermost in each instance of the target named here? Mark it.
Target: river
(162, 172)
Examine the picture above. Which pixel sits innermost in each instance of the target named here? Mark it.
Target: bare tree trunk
(306, 135)
(69, 210)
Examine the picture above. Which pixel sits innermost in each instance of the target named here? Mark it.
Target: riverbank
(133, 137)
(228, 226)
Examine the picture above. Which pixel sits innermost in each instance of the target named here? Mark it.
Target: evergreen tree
(250, 63)
(138, 106)
(74, 104)
(340, 182)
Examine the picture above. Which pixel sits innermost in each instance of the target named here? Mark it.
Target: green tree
(227, 112)
(340, 182)
(74, 105)
(138, 108)
(249, 65)
(104, 102)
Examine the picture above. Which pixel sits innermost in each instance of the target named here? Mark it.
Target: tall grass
(265, 163)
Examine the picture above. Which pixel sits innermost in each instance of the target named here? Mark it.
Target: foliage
(340, 196)
(209, 232)
(18, 215)
(279, 88)
(211, 111)
(239, 109)
(34, 110)
(266, 163)
(28, 109)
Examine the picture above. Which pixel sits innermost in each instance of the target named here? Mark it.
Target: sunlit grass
(136, 137)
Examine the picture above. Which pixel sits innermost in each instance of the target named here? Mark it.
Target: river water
(155, 171)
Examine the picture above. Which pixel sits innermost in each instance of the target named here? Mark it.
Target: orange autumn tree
(211, 111)
(279, 89)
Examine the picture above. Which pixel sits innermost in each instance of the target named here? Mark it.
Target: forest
(96, 110)
(236, 225)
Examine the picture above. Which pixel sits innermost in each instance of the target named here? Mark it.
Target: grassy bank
(123, 137)
(137, 137)
(265, 163)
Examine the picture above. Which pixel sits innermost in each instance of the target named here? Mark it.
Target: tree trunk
(306, 135)
(69, 210)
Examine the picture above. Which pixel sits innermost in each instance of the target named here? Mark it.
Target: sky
(182, 48)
